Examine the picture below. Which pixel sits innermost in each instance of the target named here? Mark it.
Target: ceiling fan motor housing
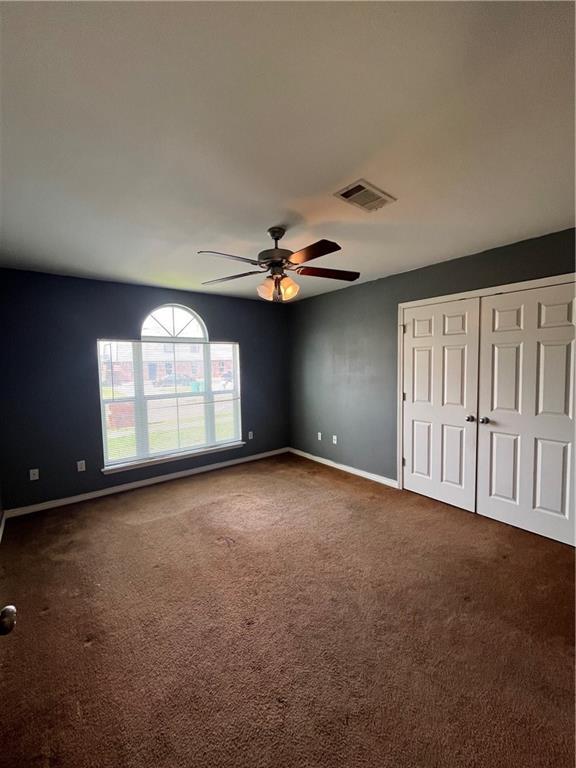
(274, 254)
(276, 269)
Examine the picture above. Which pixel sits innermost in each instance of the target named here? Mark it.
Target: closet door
(526, 410)
(440, 400)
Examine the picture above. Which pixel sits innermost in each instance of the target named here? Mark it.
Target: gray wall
(49, 397)
(344, 348)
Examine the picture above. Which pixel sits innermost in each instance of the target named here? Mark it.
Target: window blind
(167, 398)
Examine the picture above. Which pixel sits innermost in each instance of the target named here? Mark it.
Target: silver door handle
(470, 418)
(7, 619)
(484, 420)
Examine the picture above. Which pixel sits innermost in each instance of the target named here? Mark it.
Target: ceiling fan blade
(335, 274)
(235, 258)
(232, 277)
(321, 248)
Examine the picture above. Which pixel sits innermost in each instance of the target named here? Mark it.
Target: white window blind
(165, 398)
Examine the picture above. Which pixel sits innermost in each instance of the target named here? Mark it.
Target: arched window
(171, 395)
(174, 322)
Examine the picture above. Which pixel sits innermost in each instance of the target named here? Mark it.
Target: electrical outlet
(319, 435)
(250, 435)
(335, 439)
(81, 466)
(34, 474)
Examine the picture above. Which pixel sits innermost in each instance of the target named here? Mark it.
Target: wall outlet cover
(34, 474)
(319, 435)
(81, 466)
(250, 435)
(335, 439)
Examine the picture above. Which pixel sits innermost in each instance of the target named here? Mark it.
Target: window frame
(140, 400)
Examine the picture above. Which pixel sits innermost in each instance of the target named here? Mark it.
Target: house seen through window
(171, 394)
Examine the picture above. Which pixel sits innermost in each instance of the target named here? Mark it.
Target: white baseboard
(17, 511)
(345, 468)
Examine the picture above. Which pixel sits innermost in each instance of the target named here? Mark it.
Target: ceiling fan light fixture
(266, 289)
(288, 288)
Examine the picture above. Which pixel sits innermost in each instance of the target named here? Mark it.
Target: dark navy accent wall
(344, 347)
(49, 396)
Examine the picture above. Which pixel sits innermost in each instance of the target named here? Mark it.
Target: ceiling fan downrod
(277, 233)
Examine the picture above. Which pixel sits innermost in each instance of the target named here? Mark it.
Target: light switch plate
(335, 439)
(81, 466)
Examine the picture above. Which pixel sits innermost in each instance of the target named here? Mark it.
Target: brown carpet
(283, 614)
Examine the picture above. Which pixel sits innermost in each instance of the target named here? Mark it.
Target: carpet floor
(281, 614)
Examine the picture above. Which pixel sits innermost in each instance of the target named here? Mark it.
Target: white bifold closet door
(526, 448)
(440, 400)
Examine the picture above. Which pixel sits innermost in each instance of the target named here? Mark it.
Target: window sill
(141, 463)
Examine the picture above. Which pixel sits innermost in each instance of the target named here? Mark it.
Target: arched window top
(174, 322)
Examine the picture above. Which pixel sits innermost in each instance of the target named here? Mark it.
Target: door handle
(7, 619)
(484, 420)
(470, 418)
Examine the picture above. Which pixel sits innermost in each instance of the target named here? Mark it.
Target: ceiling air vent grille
(365, 195)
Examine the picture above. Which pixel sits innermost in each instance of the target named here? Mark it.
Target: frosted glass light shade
(266, 289)
(288, 289)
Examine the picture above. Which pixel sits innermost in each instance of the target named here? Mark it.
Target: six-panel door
(440, 391)
(526, 449)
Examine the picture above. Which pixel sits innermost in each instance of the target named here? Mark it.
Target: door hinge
(403, 461)
(403, 395)
(403, 327)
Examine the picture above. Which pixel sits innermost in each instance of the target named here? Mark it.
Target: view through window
(172, 393)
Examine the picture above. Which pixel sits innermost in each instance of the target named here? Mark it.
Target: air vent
(365, 195)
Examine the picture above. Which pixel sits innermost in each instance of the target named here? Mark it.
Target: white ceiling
(135, 134)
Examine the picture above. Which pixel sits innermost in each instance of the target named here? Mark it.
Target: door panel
(506, 384)
(553, 378)
(421, 448)
(422, 391)
(452, 455)
(454, 376)
(525, 451)
(551, 476)
(441, 385)
(504, 466)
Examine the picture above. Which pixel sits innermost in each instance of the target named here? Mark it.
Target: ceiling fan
(279, 286)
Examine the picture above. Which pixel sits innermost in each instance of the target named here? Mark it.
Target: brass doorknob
(7, 619)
